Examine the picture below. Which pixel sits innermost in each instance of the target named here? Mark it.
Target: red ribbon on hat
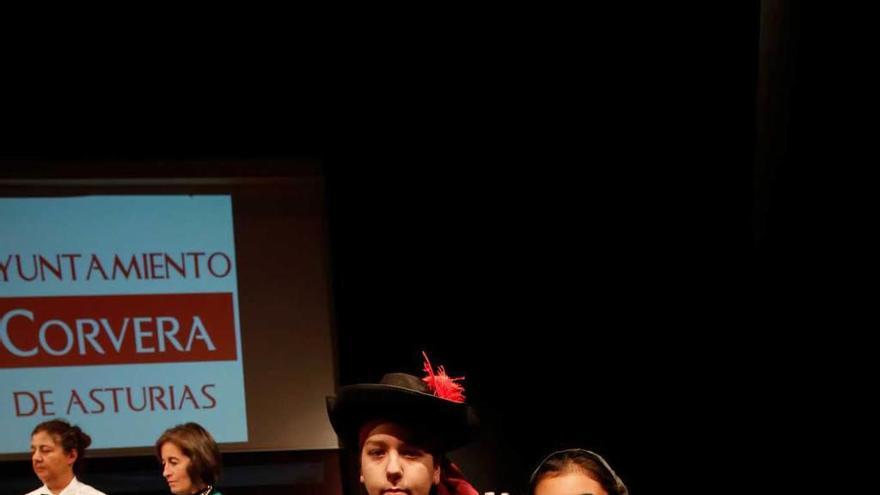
(441, 384)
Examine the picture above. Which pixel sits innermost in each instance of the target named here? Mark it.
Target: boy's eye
(411, 453)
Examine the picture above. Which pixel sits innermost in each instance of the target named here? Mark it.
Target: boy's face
(391, 464)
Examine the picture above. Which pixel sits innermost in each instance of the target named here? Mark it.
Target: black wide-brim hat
(404, 399)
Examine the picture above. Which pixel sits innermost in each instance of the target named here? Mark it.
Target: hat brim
(452, 423)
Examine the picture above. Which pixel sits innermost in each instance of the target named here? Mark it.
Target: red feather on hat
(441, 384)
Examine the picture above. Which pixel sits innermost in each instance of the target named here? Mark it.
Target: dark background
(625, 234)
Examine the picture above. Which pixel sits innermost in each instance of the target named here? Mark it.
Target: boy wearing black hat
(403, 427)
